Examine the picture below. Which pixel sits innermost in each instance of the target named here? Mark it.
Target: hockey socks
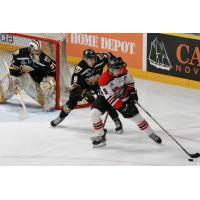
(145, 128)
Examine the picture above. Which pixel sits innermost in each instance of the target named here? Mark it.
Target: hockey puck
(190, 159)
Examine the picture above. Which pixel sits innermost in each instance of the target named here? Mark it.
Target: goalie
(34, 72)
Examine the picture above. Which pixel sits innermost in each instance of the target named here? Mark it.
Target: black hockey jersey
(86, 76)
(42, 67)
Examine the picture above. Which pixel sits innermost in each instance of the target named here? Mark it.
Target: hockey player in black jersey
(34, 72)
(85, 85)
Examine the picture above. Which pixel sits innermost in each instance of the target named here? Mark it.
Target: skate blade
(100, 145)
(158, 141)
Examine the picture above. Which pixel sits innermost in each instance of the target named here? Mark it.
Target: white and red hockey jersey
(116, 89)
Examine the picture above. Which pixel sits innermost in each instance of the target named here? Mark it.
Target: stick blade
(196, 155)
(23, 116)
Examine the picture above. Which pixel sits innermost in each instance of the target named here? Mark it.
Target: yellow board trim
(73, 60)
(8, 48)
(183, 35)
(152, 76)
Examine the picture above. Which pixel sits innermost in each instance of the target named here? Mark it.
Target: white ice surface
(33, 142)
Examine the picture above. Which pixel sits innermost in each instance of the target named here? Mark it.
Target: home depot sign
(126, 45)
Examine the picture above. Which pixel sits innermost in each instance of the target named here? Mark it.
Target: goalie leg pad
(7, 88)
(34, 90)
(48, 86)
(2, 100)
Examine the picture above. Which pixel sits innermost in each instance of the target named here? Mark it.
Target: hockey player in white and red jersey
(118, 91)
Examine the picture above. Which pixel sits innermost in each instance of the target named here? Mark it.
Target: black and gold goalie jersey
(40, 68)
(87, 77)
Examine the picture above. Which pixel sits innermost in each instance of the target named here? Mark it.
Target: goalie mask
(35, 47)
(117, 67)
(90, 57)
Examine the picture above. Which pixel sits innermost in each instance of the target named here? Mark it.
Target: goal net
(54, 45)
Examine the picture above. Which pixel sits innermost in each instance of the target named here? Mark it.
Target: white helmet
(35, 47)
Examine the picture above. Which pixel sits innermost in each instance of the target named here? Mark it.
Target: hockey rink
(34, 142)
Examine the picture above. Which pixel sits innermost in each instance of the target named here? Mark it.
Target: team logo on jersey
(116, 90)
(92, 80)
(77, 69)
(23, 62)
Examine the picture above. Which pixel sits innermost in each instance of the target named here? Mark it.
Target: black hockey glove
(88, 95)
(129, 109)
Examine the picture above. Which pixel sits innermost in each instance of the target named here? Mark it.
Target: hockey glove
(129, 109)
(88, 95)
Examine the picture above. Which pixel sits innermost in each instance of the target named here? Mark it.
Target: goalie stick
(24, 114)
(196, 155)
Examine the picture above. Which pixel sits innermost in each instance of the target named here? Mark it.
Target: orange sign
(127, 45)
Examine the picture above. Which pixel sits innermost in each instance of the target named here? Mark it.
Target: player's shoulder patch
(104, 79)
(16, 52)
(21, 52)
(77, 69)
(100, 56)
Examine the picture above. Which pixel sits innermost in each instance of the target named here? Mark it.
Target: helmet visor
(116, 71)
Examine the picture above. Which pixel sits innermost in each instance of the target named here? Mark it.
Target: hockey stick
(105, 120)
(24, 114)
(196, 155)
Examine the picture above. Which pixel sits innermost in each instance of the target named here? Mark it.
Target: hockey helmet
(89, 53)
(90, 57)
(116, 66)
(35, 47)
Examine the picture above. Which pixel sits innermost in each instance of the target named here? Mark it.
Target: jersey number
(52, 66)
(105, 91)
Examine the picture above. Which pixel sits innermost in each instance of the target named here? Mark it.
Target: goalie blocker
(118, 91)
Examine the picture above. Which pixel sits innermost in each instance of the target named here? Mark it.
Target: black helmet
(116, 63)
(89, 53)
